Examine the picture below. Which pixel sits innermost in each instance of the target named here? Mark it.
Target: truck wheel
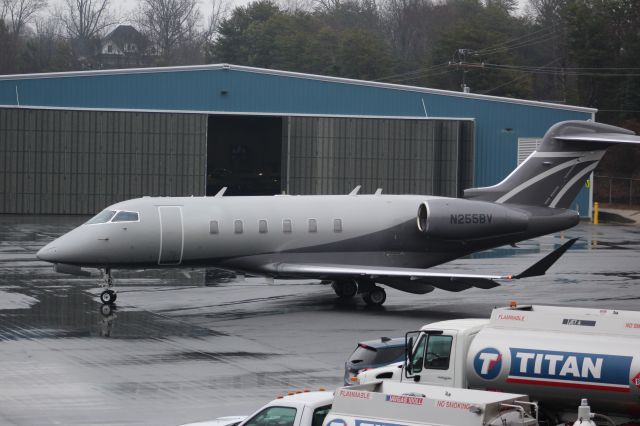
(375, 297)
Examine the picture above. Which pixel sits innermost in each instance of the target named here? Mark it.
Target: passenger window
(313, 225)
(102, 217)
(237, 226)
(262, 226)
(438, 352)
(213, 227)
(337, 225)
(286, 226)
(123, 216)
(319, 414)
(273, 416)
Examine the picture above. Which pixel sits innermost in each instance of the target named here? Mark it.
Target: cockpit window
(123, 216)
(102, 217)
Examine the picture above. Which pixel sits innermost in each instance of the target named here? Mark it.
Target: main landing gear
(371, 293)
(108, 295)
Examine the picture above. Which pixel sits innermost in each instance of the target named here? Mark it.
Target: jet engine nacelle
(460, 219)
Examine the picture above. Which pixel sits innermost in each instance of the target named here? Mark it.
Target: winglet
(541, 266)
(221, 192)
(378, 191)
(356, 190)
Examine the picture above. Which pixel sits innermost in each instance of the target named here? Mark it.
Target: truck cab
(438, 355)
(300, 409)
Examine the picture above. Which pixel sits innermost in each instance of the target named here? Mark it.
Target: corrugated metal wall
(78, 162)
(323, 155)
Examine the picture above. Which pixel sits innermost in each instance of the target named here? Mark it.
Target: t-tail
(553, 174)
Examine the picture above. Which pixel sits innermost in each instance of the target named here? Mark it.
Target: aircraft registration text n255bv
(470, 218)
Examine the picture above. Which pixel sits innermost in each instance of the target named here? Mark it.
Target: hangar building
(75, 142)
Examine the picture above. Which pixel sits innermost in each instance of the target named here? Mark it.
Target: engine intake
(460, 219)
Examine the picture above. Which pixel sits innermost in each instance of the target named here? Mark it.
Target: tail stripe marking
(592, 156)
(572, 182)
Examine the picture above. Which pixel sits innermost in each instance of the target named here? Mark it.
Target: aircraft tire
(107, 297)
(375, 297)
(345, 289)
(106, 310)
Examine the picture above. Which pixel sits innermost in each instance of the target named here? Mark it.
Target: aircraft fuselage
(247, 233)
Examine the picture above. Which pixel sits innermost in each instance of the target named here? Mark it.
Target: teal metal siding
(498, 123)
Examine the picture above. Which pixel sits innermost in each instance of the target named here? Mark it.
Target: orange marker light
(513, 304)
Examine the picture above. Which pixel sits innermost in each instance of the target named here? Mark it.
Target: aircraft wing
(442, 280)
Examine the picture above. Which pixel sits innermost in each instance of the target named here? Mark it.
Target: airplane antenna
(221, 192)
(356, 190)
(378, 191)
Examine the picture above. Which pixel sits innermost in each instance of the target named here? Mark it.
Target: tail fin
(553, 174)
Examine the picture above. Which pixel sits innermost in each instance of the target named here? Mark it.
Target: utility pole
(459, 60)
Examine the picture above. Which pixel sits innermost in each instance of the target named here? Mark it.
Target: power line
(418, 71)
(514, 80)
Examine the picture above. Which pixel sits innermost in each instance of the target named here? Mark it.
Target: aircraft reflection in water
(357, 242)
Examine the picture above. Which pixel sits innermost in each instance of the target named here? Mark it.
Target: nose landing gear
(108, 295)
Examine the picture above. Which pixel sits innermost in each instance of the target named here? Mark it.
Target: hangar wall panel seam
(78, 162)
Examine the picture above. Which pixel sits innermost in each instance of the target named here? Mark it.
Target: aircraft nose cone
(48, 253)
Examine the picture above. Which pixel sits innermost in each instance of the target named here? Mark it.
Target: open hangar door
(266, 155)
(244, 154)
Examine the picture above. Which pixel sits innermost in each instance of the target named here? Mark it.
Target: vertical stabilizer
(553, 174)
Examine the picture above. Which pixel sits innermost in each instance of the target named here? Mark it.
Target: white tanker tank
(556, 355)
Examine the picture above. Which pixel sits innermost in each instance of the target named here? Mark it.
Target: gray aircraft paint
(383, 238)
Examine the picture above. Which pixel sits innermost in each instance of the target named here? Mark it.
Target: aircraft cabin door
(171, 235)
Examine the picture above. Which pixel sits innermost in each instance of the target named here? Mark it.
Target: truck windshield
(273, 416)
(432, 352)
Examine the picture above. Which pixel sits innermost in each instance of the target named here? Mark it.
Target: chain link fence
(617, 191)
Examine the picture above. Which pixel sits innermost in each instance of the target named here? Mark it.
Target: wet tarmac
(190, 345)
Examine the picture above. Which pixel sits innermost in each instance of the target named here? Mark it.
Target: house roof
(123, 34)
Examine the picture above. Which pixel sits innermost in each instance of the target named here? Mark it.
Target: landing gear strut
(108, 295)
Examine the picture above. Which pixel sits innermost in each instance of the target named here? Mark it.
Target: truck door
(171, 235)
(433, 358)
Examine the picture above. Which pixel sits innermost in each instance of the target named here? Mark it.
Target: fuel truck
(556, 355)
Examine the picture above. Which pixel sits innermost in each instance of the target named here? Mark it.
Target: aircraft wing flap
(328, 270)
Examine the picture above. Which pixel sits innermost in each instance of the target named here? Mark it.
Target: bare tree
(85, 19)
(19, 13)
(169, 24)
(3, 10)
(220, 10)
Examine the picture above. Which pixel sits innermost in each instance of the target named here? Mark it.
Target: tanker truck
(556, 355)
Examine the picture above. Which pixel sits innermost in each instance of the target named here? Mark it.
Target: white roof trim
(266, 114)
(297, 75)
